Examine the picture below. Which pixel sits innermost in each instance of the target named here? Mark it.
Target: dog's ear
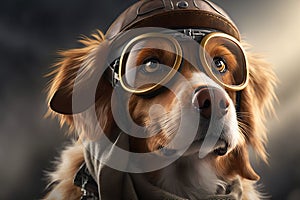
(77, 70)
(257, 100)
(236, 162)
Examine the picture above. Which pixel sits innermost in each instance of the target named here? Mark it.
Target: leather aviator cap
(174, 14)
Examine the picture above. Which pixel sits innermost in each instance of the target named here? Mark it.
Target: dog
(167, 79)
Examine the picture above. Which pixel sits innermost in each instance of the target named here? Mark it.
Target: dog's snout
(210, 101)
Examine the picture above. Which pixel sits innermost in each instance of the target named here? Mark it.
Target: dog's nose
(210, 101)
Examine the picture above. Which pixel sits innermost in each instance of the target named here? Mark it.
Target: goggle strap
(112, 72)
(196, 34)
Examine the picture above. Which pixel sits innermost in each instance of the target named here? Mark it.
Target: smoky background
(32, 31)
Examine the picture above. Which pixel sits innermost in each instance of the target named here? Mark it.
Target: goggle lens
(224, 60)
(149, 61)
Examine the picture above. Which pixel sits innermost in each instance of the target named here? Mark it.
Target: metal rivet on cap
(182, 4)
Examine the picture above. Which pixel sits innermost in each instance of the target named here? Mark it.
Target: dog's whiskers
(243, 128)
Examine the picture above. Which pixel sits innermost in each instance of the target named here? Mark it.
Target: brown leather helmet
(174, 14)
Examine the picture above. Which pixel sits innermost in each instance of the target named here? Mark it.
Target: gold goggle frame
(178, 60)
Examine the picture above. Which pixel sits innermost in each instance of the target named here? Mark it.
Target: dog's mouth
(219, 149)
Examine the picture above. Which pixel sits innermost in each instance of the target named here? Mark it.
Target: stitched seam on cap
(203, 13)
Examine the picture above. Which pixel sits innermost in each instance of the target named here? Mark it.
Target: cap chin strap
(88, 186)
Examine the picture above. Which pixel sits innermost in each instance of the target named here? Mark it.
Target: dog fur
(257, 99)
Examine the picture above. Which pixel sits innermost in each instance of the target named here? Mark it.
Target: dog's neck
(189, 177)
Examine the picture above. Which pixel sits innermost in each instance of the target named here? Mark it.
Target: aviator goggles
(150, 60)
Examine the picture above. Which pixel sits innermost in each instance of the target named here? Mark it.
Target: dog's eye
(219, 64)
(151, 65)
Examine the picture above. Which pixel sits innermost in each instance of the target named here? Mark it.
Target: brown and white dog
(236, 108)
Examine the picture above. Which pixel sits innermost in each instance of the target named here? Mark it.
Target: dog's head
(195, 72)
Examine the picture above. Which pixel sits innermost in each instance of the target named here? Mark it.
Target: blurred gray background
(32, 31)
